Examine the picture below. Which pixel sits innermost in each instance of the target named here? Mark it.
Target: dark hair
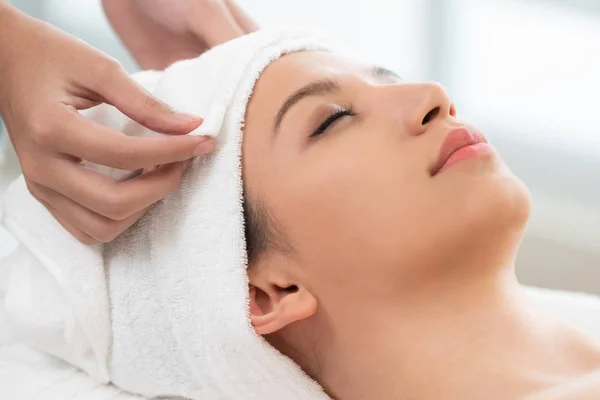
(256, 229)
(262, 230)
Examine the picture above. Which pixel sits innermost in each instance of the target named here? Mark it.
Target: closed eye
(332, 119)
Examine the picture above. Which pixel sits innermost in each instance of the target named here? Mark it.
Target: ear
(276, 302)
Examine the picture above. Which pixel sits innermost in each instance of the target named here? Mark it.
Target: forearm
(8, 15)
(5, 17)
(158, 33)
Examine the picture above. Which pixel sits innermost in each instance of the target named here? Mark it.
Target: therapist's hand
(160, 32)
(45, 77)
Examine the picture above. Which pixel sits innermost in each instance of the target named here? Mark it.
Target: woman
(380, 261)
(381, 233)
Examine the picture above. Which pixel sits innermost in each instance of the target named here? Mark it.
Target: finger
(35, 191)
(100, 228)
(218, 24)
(105, 196)
(242, 18)
(77, 233)
(99, 144)
(118, 89)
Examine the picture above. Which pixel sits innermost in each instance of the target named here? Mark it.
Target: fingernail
(188, 118)
(204, 147)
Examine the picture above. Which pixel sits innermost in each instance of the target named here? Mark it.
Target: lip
(457, 139)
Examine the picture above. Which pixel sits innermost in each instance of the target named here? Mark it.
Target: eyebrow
(323, 87)
(381, 72)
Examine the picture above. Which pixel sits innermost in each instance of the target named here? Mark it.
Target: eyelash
(337, 114)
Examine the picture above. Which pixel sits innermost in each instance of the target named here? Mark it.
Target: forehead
(292, 71)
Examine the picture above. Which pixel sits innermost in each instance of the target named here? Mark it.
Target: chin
(500, 206)
(490, 192)
(486, 203)
(486, 226)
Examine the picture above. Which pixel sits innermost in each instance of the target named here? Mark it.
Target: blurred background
(524, 71)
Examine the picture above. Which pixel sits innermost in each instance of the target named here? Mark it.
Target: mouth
(460, 144)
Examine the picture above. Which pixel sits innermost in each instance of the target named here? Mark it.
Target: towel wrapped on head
(162, 310)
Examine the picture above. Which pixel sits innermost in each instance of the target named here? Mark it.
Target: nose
(424, 103)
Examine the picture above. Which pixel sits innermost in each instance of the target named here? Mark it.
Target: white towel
(580, 310)
(26, 374)
(163, 309)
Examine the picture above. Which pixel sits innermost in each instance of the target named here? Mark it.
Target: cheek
(353, 207)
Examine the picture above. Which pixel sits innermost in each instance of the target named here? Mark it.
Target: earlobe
(276, 307)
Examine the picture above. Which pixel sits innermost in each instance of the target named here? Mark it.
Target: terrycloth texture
(162, 310)
(26, 374)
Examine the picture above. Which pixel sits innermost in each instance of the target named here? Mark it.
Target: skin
(47, 75)
(400, 285)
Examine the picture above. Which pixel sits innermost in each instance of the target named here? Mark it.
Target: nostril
(452, 111)
(291, 289)
(430, 115)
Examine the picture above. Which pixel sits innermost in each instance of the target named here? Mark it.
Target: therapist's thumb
(138, 104)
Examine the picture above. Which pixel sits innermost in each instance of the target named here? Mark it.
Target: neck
(454, 339)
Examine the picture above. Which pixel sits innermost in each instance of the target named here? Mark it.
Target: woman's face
(357, 201)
